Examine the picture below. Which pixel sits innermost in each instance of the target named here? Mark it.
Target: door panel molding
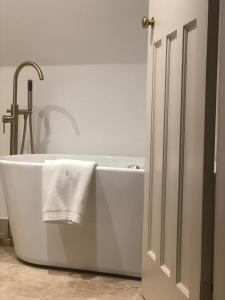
(156, 48)
(187, 29)
(171, 38)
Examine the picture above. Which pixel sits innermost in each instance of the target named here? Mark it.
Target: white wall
(93, 109)
(71, 32)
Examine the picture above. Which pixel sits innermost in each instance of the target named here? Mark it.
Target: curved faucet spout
(15, 79)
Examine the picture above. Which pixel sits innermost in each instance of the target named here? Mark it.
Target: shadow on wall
(42, 119)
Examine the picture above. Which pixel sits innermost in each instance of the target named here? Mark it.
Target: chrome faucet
(15, 111)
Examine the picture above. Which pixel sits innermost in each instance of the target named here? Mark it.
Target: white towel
(65, 185)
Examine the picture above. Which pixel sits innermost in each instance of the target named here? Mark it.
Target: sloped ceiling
(59, 32)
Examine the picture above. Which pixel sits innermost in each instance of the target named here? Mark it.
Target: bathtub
(110, 237)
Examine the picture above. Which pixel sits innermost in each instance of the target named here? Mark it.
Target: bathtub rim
(8, 160)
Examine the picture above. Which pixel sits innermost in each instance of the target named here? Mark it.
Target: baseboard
(4, 226)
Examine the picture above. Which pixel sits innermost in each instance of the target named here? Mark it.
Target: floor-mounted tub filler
(110, 237)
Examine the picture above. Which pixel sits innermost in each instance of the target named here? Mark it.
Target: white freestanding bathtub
(110, 237)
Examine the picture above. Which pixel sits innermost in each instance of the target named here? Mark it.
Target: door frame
(219, 252)
(208, 210)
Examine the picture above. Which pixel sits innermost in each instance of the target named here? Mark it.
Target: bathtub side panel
(108, 240)
(119, 221)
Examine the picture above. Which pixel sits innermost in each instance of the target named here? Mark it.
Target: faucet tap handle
(6, 119)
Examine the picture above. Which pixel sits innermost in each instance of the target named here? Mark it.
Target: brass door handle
(146, 22)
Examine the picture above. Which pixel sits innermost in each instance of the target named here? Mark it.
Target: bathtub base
(93, 253)
(135, 275)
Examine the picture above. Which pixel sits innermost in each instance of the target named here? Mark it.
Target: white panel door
(175, 151)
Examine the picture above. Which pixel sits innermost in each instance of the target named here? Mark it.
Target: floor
(19, 281)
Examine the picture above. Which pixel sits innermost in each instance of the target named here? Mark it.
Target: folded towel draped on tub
(65, 185)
